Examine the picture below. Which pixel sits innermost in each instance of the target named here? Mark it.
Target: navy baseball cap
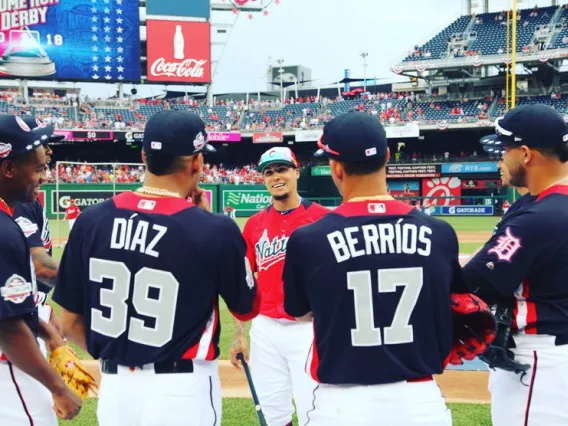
(533, 125)
(16, 137)
(47, 130)
(176, 133)
(353, 137)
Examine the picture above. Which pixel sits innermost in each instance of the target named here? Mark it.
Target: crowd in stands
(486, 34)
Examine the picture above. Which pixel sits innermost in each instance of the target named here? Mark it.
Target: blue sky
(326, 36)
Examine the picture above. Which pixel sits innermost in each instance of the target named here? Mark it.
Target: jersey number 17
(400, 331)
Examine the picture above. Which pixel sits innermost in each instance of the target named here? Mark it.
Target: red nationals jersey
(266, 234)
(72, 212)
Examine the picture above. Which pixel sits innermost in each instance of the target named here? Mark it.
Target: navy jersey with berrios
(146, 273)
(527, 259)
(33, 221)
(377, 277)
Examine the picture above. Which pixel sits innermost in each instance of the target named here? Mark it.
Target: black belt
(164, 367)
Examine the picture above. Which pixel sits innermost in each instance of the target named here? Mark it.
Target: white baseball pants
(71, 223)
(23, 400)
(144, 398)
(539, 398)
(396, 404)
(278, 353)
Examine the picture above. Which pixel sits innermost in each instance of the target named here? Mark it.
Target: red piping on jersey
(531, 387)
(11, 367)
(530, 328)
(554, 189)
(373, 207)
(6, 209)
(163, 205)
(191, 353)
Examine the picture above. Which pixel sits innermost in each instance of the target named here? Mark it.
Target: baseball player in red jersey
(279, 344)
(72, 213)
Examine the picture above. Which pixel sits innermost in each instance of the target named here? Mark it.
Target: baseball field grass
(472, 232)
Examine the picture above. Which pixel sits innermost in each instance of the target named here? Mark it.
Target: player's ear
(7, 167)
(297, 173)
(143, 156)
(388, 156)
(526, 154)
(336, 169)
(197, 163)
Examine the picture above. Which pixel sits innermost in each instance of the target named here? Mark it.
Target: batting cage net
(86, 184)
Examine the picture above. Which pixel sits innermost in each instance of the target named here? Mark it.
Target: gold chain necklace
(372, 198)
(158, 191)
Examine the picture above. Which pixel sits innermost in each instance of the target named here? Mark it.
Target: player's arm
(45, 266)
(499, 268)
(237, 284)
(49, 335)
(68, 293)
(296, 303)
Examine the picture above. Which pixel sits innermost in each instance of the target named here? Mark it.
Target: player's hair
(160, 164)
(366, 167)
(561, 152)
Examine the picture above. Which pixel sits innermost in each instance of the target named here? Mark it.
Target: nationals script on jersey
(266, 234)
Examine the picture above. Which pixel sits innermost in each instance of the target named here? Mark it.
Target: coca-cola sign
(179, 51)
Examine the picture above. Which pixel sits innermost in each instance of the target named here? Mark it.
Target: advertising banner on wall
(463, 211)
(442, 187)
(399, 171)
(308, 135)
(178, 51)
(459, 168)
(267, 137)
(223, 137)
(245, 201)
(88, 135)
(193, 8)
(481, 184)
(70, 40)
(409, 130)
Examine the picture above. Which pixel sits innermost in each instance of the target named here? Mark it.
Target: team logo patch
(27, 226)
(377, 208)
(5, 149)
(156, 145)
(23, 124)
(16, 290)
(270, 252)
(146, 204)
(199, 141)
(506, 247)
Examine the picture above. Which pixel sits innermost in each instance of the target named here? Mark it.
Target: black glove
(497, 354)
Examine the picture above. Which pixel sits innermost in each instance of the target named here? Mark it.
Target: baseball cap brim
(264, 165)
(208, 148)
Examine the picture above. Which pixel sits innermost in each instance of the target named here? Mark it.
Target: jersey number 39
(400, 331)
(162, 309)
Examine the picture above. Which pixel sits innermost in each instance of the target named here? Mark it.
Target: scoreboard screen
(85, 40)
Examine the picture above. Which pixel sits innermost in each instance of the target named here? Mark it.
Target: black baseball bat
(259, 412)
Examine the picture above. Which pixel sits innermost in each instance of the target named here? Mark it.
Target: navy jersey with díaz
(377, 277)
(146, 274)
(17, 280)
(33, 221)
(527, 259)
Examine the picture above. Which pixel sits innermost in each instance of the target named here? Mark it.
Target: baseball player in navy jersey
(525, 266)
(139, 282)
(279, 343)
(30, 388)
(375, 275)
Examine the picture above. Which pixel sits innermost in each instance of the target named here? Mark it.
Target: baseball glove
(474, 328)
(72, 371)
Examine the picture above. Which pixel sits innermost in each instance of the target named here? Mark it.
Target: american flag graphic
(108, 37)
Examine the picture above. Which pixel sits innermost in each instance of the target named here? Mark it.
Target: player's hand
(240, 345)
(66, 404)
(199, 198)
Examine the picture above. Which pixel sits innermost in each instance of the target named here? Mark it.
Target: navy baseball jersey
(527, 259)
(145, 273)
(377, 277)
(33, 221)
(515, 207)
(17, 279)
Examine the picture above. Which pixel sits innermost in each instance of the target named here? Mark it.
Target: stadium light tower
(281, 71)
(364, 56)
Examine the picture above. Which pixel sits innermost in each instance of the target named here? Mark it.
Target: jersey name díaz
(136, 235)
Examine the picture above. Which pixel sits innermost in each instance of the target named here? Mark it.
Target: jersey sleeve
(27, 218)
(16, 282)
(514, 250)
(72, 274)
(458, 284)
(236, 279)
(251, 251)
(296, 303)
